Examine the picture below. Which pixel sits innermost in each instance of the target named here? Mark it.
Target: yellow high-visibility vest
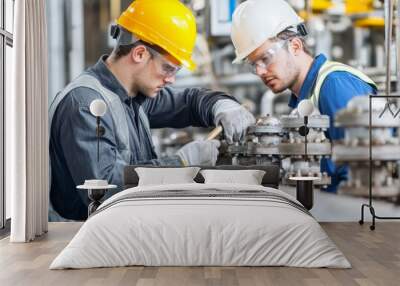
(329, 67)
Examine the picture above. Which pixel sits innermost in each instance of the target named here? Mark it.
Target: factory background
(351, 32)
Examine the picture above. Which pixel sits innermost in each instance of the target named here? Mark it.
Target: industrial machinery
(172, 142)
(278, 141)
(299, 158)
(353, 150)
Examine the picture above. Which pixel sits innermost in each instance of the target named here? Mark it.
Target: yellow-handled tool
(214, 133)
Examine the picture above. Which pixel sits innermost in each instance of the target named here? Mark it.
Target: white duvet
(183, 231)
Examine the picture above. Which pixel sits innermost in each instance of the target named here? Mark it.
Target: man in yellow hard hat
(269, 36)
(155, 38)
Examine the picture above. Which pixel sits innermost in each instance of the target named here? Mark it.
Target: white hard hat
(255, 21)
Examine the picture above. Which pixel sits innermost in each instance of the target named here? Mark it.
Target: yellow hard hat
(370, 22)
(321, 5)
(165, 23)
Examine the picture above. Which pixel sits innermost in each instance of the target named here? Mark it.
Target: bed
(201, 224)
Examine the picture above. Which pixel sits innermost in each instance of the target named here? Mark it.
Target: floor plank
(374, 255)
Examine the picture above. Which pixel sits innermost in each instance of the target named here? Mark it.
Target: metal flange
(237, 149)
(260, 149)
(265, 129)
(346, 118)
(284, 149)
(316, 121)
(313, 149)
(343, 153)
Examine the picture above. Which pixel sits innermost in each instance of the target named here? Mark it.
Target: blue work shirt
(73, 141)
(338, 88)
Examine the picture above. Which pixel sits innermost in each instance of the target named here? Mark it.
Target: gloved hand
(200, 153)
(234, 118)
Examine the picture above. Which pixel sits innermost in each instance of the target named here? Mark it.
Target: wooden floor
(374, 255)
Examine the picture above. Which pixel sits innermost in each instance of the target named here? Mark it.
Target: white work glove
(199, 153)
(234, 118)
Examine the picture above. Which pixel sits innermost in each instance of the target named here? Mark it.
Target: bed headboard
(270, 179)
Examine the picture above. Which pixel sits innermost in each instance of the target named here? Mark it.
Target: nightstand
(95, 194)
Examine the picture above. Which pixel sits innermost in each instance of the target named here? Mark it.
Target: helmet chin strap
(114, 31)
(122, 36)
(302, 30)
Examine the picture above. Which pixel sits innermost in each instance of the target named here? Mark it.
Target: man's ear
(139, 54)
(296, 46)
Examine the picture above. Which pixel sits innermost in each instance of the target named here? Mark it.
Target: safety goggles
(168, 69)
(267, 57)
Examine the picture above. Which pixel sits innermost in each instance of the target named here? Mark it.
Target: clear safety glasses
(168, 69)
(267, 57)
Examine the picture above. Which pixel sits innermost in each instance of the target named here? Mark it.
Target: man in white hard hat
(269, 36)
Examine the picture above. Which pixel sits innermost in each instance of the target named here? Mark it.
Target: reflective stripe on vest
(329, 67)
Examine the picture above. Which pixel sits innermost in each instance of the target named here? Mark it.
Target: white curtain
(27, 124)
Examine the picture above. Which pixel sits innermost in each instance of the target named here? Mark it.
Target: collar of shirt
(108, 80)
(308, 84)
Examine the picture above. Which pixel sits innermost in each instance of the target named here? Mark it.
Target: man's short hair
(289, 34)
(123, 50)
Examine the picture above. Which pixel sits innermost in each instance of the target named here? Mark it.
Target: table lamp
(98, 108)
(305, 109)
(96, 188)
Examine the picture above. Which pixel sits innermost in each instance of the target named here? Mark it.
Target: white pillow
(248, 177)
(166, 176)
